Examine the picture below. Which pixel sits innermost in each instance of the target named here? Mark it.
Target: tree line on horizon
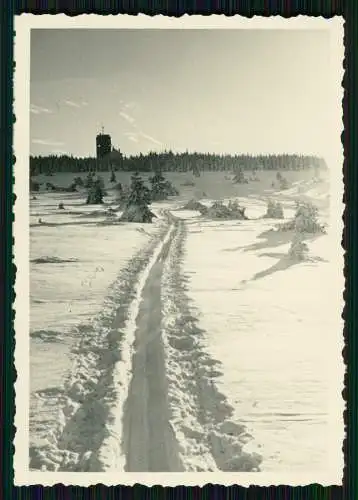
(172, 162)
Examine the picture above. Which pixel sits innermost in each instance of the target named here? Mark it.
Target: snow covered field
(74, 260)
(207, 321)
(266, 324)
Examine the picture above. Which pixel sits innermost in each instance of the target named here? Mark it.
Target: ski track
(142, 397)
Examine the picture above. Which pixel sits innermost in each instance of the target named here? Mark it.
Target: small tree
(95, 192)
(161, 188)
(274, 210)
(305, 220)
(89, 180)
(158, 191)
(113, 177)
(139, 193)
(136, 205)
(239, 177)
(78, 181)
(299, 249)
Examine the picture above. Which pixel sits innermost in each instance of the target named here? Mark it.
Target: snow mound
(136, 213)
(194, 205)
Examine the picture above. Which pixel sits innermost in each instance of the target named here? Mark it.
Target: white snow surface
(266, 320)
(71, 271)
(249, 386)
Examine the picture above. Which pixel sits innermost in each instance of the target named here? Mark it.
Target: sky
(223, 91)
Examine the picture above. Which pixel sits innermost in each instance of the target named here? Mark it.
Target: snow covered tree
(78, 181)
(113, 177)
(161, 188)
(139, 193)
(89, 180)
(158, 191)
(95, 192)
(305, 220)
(136, 205)
(298, 249)
(239, 177)
(274, 210)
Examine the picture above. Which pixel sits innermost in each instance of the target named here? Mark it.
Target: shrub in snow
(298, 249)
(95, 192)
(60, 189)
(161, 188)
(136, 207)
(113, 177)
(274, 210)
(136, 213)
(123, 196)
(194, 205)
(61, 206)
(239, 177)
(89, 180)
(236, 210)
(231, 212)
(78, 181)
(50, 186)
(305, 220)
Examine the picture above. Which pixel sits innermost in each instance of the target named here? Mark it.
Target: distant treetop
(173, 162)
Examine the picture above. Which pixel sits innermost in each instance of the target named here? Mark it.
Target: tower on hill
(103, 144)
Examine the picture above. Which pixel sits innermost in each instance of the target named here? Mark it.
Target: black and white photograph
(178, 229)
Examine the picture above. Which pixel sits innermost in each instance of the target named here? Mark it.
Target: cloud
(137, 133)
(72, 104)
(38, 110)
(127, 117)
(131, 105)
(150, 138)
(47, 142)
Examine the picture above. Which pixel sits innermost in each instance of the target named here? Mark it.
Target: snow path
(148, 438)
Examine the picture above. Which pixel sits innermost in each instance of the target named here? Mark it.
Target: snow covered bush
(136, 207)
(298, 249)
(78, 181)
(232, 211)
(305, 220)
(194, 205)
(89, 180)
(282, 181)
(113, 177)
(274, 210)
(161, 188)
(239, 177)
(95, 192)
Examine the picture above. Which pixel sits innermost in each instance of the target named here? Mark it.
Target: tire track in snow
(149, 441)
